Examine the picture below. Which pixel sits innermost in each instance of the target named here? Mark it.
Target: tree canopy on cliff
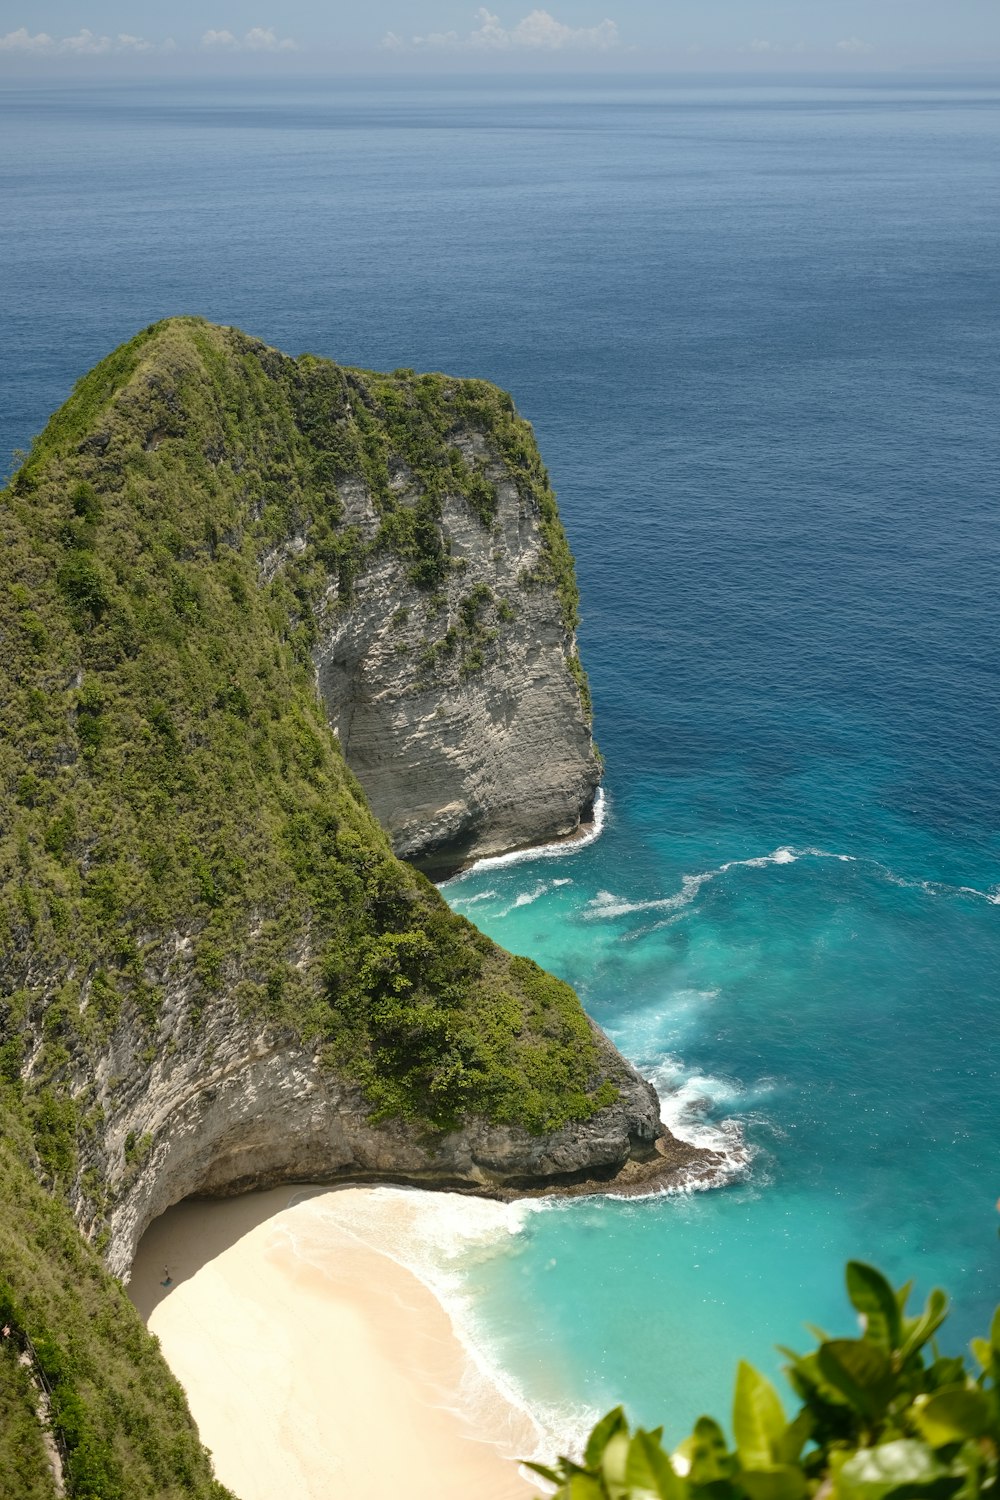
(175, 812)
(165, 764)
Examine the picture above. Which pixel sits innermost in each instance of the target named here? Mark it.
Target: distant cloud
(84, 44)
(21, 41)
(855, 46)
(537, 32)
(258, 39)
(774, 48)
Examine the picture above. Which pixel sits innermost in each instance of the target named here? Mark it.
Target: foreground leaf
(758, 1418)
(951, 1416)
(874, 1299)
(905, 1467)
(602, 1435)
(861, 1372)
(649, 1469)
(925, 1327)
(774, 1482)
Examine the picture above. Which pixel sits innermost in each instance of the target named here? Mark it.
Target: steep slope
(446, 648)
(214, 972)
(119, 1422)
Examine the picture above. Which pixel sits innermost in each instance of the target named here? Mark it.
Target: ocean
(756, 329)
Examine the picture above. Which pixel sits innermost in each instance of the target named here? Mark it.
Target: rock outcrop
(461, 763)
(214, 974)
(247, 1107)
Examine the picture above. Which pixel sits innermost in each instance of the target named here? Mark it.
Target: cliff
(445, 650)
(215, 973)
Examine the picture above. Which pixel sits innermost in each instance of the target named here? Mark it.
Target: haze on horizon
(81, 38)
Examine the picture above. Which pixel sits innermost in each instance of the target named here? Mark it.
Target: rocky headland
(267, 624)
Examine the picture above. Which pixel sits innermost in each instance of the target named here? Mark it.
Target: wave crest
(686, 1102)
(606, 905)
(558, 850)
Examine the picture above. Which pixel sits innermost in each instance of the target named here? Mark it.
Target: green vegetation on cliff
(120, 1421)
(175, 809)
(165, 765)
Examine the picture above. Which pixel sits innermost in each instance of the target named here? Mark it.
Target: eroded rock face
(227, 1106)
(475, 748)
(411, 521)
(463, 751)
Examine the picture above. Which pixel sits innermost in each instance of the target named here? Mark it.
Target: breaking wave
(471, 900)
(687, 1101)
(936, 887)
(524, 898)
(605, 905)
(557, 850)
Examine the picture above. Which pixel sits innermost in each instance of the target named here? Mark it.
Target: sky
(81, 37)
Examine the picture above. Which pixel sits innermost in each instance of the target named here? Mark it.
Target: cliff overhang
(248, 601)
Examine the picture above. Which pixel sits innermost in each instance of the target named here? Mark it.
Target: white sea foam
(689, 1101)
(558, 850)
(606, 905)
(471, 900)
(524, 898)
(937, 887)
(685, 1102)
(433, 1234)
(527, 897)
(436, 1239)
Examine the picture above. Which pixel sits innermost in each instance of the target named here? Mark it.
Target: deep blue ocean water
(756, 329)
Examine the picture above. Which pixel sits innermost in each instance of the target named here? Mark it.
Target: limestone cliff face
(240, 1106)
(214, 972)
(472, 748)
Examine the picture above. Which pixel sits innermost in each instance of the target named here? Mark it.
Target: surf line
(556, 850)
(605, 905)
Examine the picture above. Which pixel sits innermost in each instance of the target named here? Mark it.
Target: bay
(756, 329)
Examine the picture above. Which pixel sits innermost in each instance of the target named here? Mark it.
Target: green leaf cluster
(882, 1417)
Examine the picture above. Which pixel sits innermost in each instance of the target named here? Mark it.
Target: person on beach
(168, 1280)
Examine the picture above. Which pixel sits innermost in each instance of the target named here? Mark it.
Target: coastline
(312, 1356)
(318, 1346)
(584, 834)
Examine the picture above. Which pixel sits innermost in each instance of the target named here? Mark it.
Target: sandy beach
(316, 1366)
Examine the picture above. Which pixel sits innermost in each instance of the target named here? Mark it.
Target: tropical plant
(883, 1417)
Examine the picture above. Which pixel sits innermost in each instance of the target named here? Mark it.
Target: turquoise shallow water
(756, 329)
(812, 1013)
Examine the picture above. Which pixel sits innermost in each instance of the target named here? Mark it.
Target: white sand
(315, 1366)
